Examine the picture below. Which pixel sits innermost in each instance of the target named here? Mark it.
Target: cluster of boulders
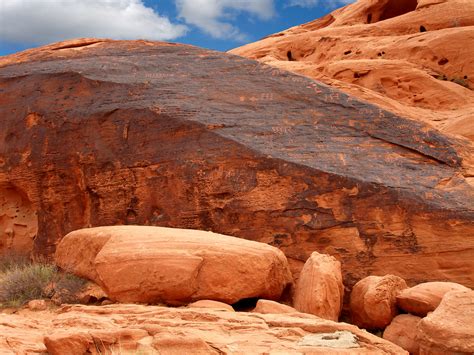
(206, 270)
(429, 318)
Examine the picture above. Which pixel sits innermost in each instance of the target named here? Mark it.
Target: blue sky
(214, 24)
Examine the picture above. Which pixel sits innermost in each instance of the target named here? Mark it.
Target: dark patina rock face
(97, 132)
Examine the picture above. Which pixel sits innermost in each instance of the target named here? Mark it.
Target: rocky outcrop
(403, 331)
(174, 266)
(99, 132)
(425, 297)
(449, 330)
(414, 58)
(319, 289)
(151, 329)
(373, 301)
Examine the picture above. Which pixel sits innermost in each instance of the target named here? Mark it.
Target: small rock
(272, 307)
(320, 290)
(37, 305)
(402, 331)
(425, 297)
(373, 301)
(91, 293)
(211, 304)
(106, 302)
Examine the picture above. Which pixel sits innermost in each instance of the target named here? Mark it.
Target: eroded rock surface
(425, 297)
(320, 290)
(99, 132)
(373, 301)
(174, 266)
(450, 328)
(151, 330)
(414, 58)
(403, 331)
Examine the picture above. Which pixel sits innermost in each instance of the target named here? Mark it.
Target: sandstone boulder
(425, 297)
(37, 305)
(269, 307)
(373, 301)
(403, 331)
(223, 143)
(449, 329)
(211, 304)
(319, 289)
(175, 266)
(140, 329)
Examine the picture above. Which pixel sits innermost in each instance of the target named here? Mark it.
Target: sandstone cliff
(98, 132)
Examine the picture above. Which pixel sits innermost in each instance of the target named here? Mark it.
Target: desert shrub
(12, 260)
(67, 286)
(22, 280)
(22, 283)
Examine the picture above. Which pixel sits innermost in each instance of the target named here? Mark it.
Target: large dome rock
(98, 132)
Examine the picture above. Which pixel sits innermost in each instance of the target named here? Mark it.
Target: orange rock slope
(414, 58)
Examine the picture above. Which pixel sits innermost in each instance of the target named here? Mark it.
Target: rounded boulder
(373, 301)
(174, 266)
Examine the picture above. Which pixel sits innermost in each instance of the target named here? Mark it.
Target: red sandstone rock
(403, 331)
(414, 58)
(211, 304)
(37, 305)
(373, 301)
(269, 307)
(149, 329)
(425, 297)
(222, 143)
(91, 293)
(319, 289)
(449, 330)
(176, 266)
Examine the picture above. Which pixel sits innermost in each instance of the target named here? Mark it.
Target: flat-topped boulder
(174, 266)
(99, 132)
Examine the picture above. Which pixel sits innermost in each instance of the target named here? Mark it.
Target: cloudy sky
(215, 24)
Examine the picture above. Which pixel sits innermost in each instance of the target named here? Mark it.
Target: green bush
(22, 283)
(22, 280)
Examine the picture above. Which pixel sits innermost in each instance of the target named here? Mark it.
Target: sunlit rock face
(414, 58)
(99, 132)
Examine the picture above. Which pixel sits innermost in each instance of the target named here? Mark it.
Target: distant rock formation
(414, 58)
(98, 132)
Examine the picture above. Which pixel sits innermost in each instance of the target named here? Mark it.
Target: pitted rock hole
(391, 9)
(337, 340)
(18, 221)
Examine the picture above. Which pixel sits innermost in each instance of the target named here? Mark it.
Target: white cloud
(45, 21)
(314, 3)
(215, 16)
